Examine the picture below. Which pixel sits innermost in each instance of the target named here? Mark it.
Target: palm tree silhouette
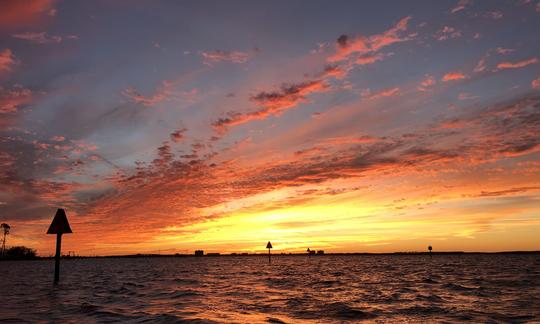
(5, 227)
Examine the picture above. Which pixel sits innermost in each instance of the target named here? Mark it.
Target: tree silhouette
(20, 253)
(5, 227)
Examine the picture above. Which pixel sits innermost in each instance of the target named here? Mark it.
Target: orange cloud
(347, 46)
(517, 65)
(18, 13)
(369, 59)
(365, 139)
(273, 103)
(7, 60)
(334, 71)
(452, 76)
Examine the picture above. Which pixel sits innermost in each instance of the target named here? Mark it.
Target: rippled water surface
(293, 289)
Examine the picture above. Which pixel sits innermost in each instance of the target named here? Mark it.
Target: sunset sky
(348, 126)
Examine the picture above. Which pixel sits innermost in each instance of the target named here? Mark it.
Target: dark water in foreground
(294, 289)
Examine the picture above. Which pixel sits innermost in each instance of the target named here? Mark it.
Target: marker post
(59, 226)
(269, 246)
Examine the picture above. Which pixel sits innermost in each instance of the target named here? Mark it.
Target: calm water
(294, 289)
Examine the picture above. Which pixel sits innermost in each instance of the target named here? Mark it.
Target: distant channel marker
(59, 226)
(269, 246)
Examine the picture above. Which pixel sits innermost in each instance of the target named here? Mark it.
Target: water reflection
(291, 289)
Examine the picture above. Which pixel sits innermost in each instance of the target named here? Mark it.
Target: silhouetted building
(199, 252)
(213, 254)
(312, 252)
(320, 252)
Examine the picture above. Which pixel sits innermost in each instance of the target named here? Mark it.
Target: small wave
(458, 287)
(423, 310)
(429, 280)
(342, 311)
(429, 298)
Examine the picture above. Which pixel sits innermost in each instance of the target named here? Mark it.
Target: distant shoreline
(214, 255)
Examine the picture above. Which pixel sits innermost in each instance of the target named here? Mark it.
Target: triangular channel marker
(60, 224)
(269, 246)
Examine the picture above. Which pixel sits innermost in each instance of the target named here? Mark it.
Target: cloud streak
(43, 37)
(517, 65)
(273, 103)
(237, 57)
(7, 60)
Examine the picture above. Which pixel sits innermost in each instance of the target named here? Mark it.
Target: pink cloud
(452, 76)
(535, 84)
(7, 60)
(17, 13)
(517, 65)
(466, 96)
(494, 15)
(237, 57)
(426, 83)
(460, 6)
(481, 66)
(447, 32)
(389, 92)
(503, 51)
(58, 138)
(161, 94)
(10, 100)
(42, 37)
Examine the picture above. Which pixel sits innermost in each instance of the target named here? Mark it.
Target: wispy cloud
(389, 92)
(535, 84)
(453, 76)
(43, 37)
(237, 57)
(162, 93)
(447, 32)
(517, 65)
(346, 46)
(273, 103)
(427, 83)
(11, 99)
(461, 5)
(7, 60)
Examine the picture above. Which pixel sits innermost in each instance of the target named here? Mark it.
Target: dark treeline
(19, 253)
